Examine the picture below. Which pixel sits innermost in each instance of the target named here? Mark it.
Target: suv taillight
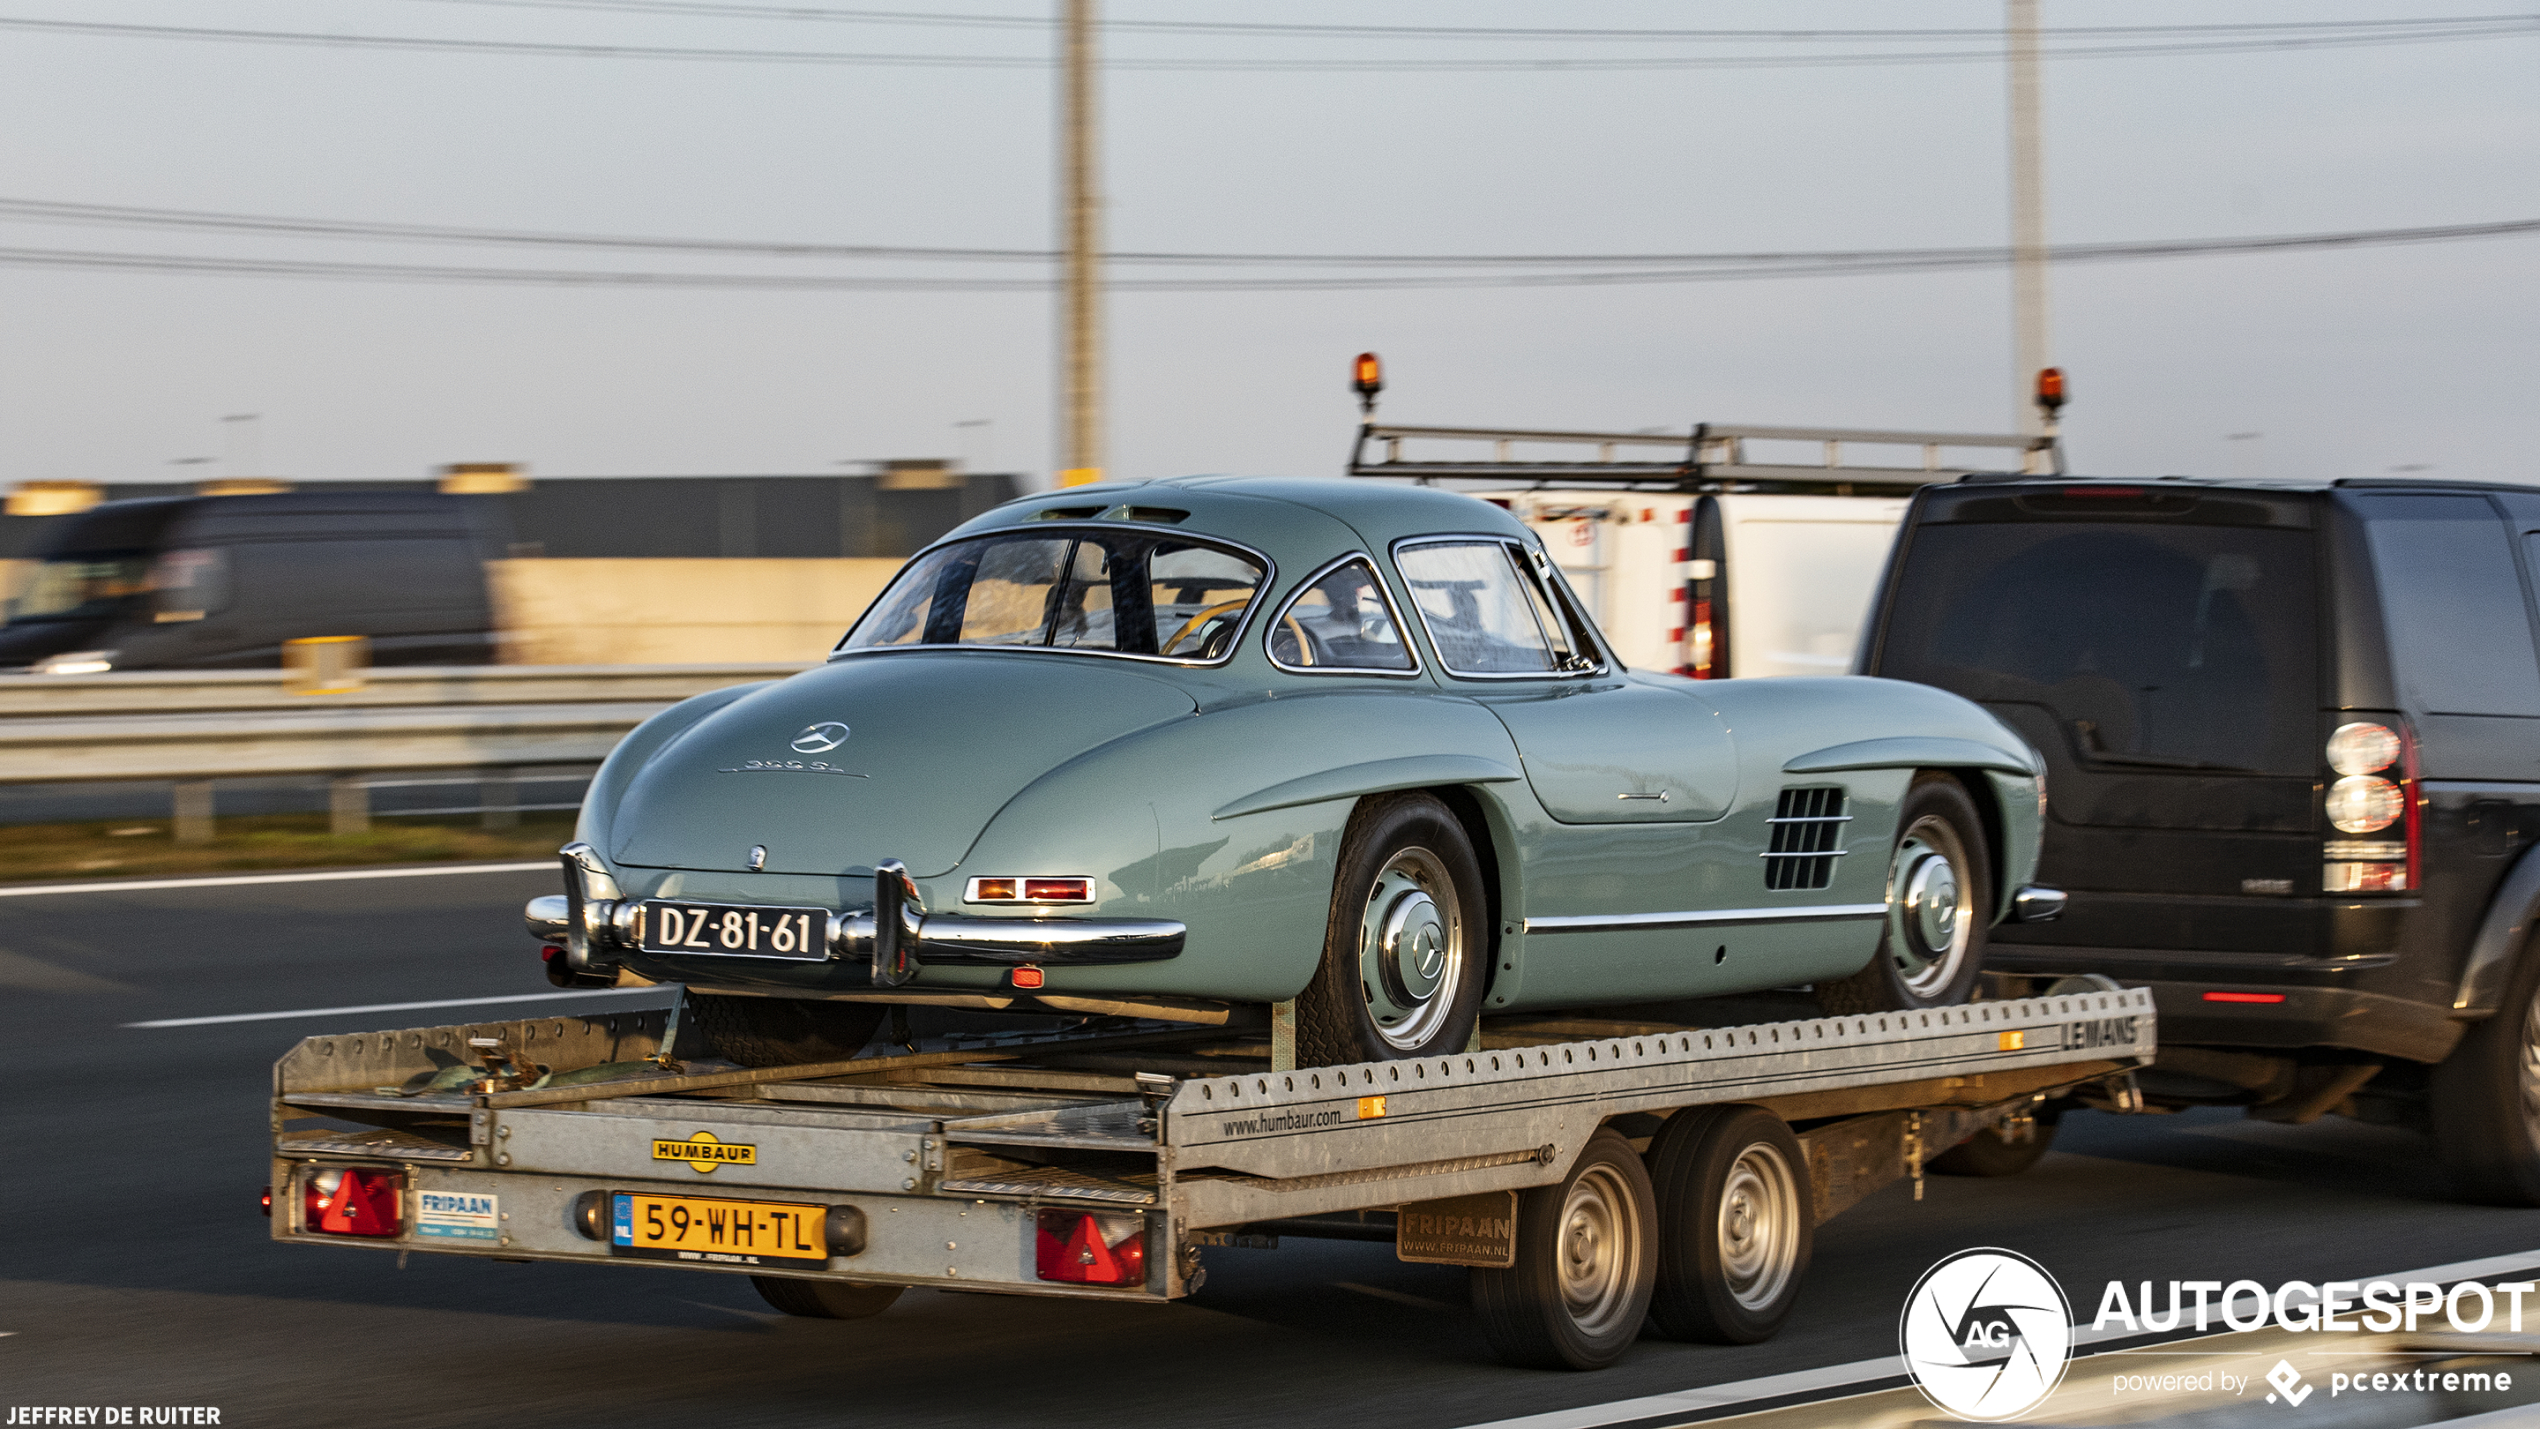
(2373, 805)
(353, 1200)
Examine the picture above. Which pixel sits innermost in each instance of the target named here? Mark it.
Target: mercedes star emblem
(820, 738)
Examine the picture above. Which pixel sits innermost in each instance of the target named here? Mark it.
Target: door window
(1486, 613)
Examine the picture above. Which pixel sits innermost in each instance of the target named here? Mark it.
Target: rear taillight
(353, 1200)
(1081, 1248)
(2374, 794)
(1029, 890)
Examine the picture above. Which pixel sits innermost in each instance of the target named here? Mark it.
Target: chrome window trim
(1629, 922)
(1383, 592)
(1269, 581)
(1603, 666)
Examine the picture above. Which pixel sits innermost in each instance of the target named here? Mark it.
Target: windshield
(2150, 646)
(1124, 592)
(81, 587)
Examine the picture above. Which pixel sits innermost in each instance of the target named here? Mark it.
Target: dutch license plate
(733, 930)
(718, 1232)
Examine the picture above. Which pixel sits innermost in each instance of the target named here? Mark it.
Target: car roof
(2270, 485)
(1270, 510)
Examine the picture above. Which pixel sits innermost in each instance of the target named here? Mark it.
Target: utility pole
(1080, 223)
(2028, 217)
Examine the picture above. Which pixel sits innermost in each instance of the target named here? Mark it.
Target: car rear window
(1122, 592)
(2154, 646)
(2460, 637)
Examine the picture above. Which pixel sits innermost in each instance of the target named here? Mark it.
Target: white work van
(1694, 556)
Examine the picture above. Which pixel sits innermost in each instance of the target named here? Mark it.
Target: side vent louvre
(1807, 826)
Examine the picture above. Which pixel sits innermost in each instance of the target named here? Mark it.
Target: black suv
(2292, 734)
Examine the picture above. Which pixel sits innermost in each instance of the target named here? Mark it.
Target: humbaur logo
(705, 1151)
(1986, 1334)
(820, 738)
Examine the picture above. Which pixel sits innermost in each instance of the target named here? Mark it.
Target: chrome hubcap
(1412, 949)
(1931, 916)
(1600, 1250)
(1759, 1226)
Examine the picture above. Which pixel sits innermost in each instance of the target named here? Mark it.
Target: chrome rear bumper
(897, 936)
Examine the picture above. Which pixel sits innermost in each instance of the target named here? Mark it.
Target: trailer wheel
(824, 1299)
(1990, 1153)
(2484, 1099)
(1407, 944)
(1736, 1224)
(784, 1031)
(1939, 904)
(1587, 1256)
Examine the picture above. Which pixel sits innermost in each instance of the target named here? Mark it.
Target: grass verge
(128, 848)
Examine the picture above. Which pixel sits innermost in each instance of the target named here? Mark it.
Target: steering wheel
(1304, 642)
(1205, 616)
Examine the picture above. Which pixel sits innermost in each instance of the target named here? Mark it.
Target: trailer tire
(1587, 1258)
(1736, 1224)
(2484, 1099)
(1989, 1153)
(1939, 905)
(1407, 946)
(783, 1031)
(824, 1299)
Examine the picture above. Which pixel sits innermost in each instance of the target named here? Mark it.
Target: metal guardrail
(195, 727)
(166, 692)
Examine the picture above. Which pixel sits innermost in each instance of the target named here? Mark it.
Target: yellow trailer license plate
(718, 1232)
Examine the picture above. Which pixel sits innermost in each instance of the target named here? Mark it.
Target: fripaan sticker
(704, 1151)
(1986, 1334)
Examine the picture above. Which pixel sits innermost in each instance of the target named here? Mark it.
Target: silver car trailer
(1594, 1173)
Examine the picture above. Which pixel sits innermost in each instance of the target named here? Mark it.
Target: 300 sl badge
(704, 1151)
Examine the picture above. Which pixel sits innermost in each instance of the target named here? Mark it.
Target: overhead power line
(1744, 267)
(708, 9)
(2501, 27)
(1879, 259)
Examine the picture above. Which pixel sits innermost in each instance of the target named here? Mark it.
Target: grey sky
(2351, 363)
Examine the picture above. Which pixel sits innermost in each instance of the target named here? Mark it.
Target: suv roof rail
(1711, 457)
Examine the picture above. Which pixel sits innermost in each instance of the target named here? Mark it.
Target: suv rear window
(2156, 646)
(2460, 639)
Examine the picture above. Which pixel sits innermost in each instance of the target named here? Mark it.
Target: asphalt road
(135, 1269)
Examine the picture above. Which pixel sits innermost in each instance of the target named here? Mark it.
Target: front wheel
(1587, 1256)
(1407, 944)
(1939, 903)
(2484, 1099)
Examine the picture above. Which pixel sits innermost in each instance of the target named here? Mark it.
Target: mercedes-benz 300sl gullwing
(1183, 749)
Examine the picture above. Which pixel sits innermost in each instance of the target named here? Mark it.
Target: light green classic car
(1183, 749)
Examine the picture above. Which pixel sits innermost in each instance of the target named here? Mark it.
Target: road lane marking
(1707, 1401)
(137, 885)
(388, 1007)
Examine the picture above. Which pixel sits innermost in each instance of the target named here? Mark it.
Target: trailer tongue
(1593, 1172)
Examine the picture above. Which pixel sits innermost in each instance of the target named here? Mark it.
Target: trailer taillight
(353, 1200)
(2375, 790)
(1081, 1248)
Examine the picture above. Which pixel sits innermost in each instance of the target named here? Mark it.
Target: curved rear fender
(599, 805)
(1146, 815)
(1487, 822)
(2503, 935)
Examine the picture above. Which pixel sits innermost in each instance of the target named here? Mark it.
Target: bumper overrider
(594, 922)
